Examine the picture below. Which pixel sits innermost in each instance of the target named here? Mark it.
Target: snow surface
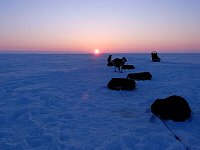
(62, 102)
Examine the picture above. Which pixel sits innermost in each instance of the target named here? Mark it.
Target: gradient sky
(109, 25)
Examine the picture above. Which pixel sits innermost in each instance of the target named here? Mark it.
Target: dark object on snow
(121, 84)
(118, 63)
(110, 64)
(174, 107)
(140, 76)
(154, 57)
(109, 58)
(127, 67)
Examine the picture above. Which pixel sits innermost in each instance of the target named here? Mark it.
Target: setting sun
(96, 51)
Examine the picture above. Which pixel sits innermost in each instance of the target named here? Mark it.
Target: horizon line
(79, 52)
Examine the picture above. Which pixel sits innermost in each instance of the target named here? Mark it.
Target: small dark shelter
(121, 84)
(110, 64)
(140, 76)
(154, 57)
(173, 107)
(128, 67)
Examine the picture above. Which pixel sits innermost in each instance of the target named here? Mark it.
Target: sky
(108, 25)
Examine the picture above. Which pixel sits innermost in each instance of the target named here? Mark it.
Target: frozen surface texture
(62, 102)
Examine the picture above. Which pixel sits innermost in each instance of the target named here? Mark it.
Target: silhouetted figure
(118, 63)
(110, 62)
(154, 57)
(109, 58)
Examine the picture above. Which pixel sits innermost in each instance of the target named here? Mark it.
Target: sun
(96, 51)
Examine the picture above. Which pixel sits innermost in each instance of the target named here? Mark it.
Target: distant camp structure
(154, 57)
(119, 62)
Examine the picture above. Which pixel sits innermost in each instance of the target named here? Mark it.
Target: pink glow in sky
(107, 25)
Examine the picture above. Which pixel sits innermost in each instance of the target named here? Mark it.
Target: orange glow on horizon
(130, 27)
